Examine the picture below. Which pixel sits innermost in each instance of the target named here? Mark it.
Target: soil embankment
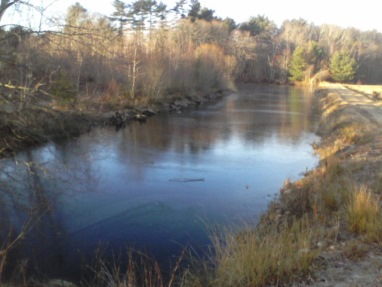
(349, 238)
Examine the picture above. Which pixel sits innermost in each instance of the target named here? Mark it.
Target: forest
(146, 52)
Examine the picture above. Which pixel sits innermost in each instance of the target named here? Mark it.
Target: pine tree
(298, 65)
(343, 67)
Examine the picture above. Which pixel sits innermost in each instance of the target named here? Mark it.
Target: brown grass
(141, 271)
(364, 214)
(269, 255)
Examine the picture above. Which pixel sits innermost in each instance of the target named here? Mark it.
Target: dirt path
(340, 263)
(372, 110)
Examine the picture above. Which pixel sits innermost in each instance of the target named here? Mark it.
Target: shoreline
(39, 124)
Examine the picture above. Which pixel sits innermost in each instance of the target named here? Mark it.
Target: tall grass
(364, 214)
(141, 271)
(269, 255)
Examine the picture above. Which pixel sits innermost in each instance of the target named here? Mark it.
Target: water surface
(156, 186)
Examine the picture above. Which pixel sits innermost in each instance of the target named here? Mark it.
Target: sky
(365, 15)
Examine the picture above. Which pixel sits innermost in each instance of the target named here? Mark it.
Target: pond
(161, 185)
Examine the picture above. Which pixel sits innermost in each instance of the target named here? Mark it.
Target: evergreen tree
(343, 67)
(298, 65)
(120, 15)
(198, 12)
(259, 25)
(179, 8)
(194, 10)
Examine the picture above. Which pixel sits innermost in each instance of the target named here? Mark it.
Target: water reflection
(153, 185)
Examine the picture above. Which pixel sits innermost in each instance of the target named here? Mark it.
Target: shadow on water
(153, 186)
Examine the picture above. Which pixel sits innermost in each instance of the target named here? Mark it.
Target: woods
(146, 52)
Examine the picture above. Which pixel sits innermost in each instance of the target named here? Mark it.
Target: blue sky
(365, 15)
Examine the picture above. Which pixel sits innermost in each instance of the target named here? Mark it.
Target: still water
(157, 186)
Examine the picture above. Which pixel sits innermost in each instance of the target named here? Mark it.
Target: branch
(8, 86)
(36, 88)
(5, 4)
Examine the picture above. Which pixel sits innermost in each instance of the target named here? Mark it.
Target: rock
(148, 112)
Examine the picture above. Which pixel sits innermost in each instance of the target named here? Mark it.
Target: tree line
(146, 51)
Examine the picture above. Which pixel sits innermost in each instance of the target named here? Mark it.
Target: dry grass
(141, 271)
(320, 194)
(364, 214)
(270, 255)
(254, 260)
